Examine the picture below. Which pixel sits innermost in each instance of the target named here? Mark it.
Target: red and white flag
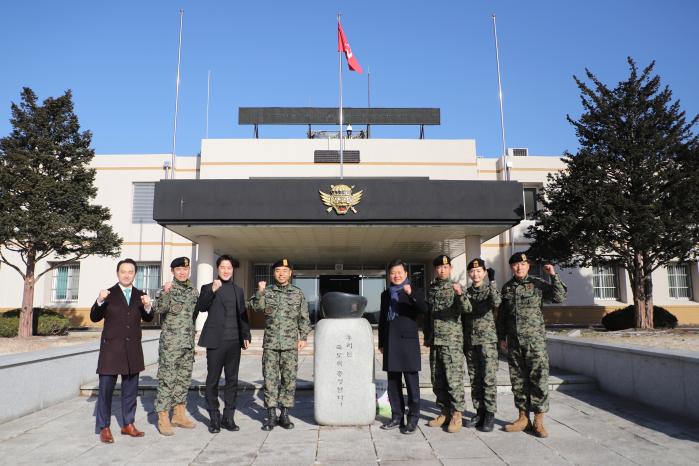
(344, 46)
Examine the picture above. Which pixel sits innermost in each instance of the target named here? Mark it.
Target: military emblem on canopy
(341, 198)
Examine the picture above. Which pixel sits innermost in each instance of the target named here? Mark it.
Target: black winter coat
(212, 333)
(399, 337)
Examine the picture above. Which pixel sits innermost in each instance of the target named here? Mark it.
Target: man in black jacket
(225, 332)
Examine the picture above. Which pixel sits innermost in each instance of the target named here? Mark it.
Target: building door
(343, 283)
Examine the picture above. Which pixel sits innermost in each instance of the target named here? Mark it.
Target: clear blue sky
(120, 60)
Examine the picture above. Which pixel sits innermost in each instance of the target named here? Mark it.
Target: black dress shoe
(488, 422)
(284, 420)
(393, 423)
(214, 422)
(229, 424)
(476, 419)
(271, 420)
(411, 427)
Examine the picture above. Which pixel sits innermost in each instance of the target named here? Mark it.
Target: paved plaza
(586, 426)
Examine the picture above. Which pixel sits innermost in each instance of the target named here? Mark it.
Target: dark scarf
(395, 290)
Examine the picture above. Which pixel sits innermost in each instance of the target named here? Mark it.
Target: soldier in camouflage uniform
(175, 303)
(446, 303)
(287, 325)
(521, 332)
(481, 345)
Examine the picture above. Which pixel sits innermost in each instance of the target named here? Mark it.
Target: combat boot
(180, 419)
(488, 422)
(455, 423)
(539, 429)
(271, 420)
(441, 420)
(214, 422)
(520, 424)
(476, 420)
(284, 420)
(164, 426)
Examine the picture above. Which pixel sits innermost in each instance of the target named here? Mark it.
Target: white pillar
(472, 250)
(205, 268)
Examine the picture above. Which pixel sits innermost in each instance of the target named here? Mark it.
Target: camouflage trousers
(279, 371)
(447, 368)
(174, 376)
(529, 375)
(482, 361)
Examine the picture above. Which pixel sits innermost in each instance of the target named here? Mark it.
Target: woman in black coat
(400, 345)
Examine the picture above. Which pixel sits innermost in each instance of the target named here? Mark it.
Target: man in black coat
(400, 345)
(122, 307)
(225, 332)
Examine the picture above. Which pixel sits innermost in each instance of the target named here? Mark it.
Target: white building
(258, 200)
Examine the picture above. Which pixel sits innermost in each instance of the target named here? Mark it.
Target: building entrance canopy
(355, 220)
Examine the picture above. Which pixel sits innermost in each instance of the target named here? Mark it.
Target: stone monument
(344, 391)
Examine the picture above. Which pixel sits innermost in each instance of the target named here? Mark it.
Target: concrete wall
(665, 379)
(33, 381)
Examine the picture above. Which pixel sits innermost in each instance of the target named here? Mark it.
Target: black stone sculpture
(337, 305)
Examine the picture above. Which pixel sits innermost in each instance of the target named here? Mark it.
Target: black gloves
(491, 274)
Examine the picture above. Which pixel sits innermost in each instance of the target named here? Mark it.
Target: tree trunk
(639, 293)
(26, 315)
(648, 288)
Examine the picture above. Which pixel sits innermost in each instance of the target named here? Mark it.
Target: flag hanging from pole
(344, 46)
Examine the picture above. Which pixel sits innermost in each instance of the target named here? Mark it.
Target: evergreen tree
(629, 197)
(46, 189)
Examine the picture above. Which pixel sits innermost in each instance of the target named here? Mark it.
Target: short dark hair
(128, 261)
(396, 263)
(226, 257)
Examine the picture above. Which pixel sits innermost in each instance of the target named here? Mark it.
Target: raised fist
(407, 289)
(457, 288)
(166, 287)
(145, 300)
(550, 269)
(103, 295)
(261, 286)
(216, 285)
(491, 274)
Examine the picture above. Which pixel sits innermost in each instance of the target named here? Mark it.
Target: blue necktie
(127, 293)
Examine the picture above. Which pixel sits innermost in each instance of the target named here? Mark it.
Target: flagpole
(339, 56)
(502, 122)
(177, 99)
(368, 96)
(208, 100)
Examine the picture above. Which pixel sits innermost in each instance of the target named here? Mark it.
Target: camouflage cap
(518, 257)
(477, 262)
(441, 260)
(179, 262)
(282, 263)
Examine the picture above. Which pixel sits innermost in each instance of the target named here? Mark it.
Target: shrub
(623, 319)
(46, 322)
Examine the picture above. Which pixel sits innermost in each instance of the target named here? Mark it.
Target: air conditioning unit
(517, 151)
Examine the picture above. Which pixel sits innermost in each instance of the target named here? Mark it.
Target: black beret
(441, 260)
(518, 257)
(179, 262)
(478, 262)
(282, 263)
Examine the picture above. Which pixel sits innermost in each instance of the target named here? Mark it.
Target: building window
(148, 278)
(679, 279)
(260, 273)
(530, 204)
(143, 194)
(605, 282)
(64, 287)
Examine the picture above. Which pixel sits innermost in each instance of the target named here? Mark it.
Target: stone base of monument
(344, 391)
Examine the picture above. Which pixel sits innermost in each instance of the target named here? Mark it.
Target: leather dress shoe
(131, 431)
(106, 435)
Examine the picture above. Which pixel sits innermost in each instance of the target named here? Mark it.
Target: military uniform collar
(477, 288)
(286, 287)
